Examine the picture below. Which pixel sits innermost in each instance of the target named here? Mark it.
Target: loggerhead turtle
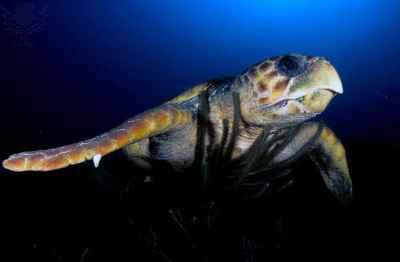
(277, 92)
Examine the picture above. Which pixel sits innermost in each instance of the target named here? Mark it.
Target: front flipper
(330, 157)
(147, 124)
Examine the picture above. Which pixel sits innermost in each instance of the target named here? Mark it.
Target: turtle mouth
(300, 99)
(279, 104)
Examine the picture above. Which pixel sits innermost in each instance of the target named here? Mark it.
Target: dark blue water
(103, 62)
(94, 64)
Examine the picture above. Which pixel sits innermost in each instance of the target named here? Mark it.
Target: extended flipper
(330, 156)
(147, 124)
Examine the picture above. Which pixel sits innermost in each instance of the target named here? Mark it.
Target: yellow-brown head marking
(262, 87)
(281, 85)
(287, 88)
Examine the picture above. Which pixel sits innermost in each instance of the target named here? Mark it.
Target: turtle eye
(291, 65)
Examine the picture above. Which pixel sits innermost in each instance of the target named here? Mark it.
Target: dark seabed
(72, 70)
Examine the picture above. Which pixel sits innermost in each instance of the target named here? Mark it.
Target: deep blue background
(100, 62)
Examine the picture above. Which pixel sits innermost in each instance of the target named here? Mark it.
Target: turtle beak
(336, 86)
(320, 75)
(332, 78)
(317, 86)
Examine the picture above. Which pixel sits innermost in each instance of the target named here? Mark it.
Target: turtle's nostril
(291, 65)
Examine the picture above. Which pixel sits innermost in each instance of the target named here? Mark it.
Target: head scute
(288, 88)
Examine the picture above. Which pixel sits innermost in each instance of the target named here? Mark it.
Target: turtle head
(287, 89)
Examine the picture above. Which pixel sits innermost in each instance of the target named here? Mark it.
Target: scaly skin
(148, 124)
(281, 91)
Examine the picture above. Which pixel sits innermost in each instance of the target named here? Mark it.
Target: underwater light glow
(155, 49)
(275, 26)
